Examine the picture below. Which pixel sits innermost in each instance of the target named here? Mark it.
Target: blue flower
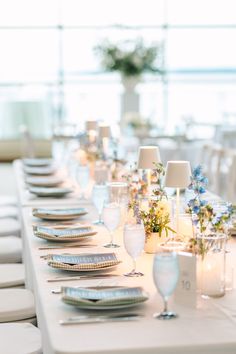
(190, 186)
(191, 202)
(204, 180)
(201, 190)
(203, 202)
(197, 171)
(196, 209)
(230, 208)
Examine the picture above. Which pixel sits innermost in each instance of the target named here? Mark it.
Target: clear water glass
(99, 197)
(82, 176)
(165, 275)
(134, 240)
(111, 219)
(118, 192)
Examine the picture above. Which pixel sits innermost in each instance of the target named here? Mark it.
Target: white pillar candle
(92, 136)
(105, 145)
(100, 174)
(186, 227)
(212, 275)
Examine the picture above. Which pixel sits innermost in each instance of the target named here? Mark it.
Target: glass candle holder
(211, 264)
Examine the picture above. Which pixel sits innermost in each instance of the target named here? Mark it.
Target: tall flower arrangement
(130, 58)
(205, 217)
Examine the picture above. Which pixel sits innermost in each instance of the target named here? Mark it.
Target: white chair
(12, 275)
(20, 338)
(211, 160)
(9, 226)
(10, 249)
(227, 175)
(17, 305)
(9, 212)
(6, 200)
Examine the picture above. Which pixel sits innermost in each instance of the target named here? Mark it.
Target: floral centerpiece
(137, 187)
(130, 58)
(138, 124)
(210, 238)
(207, 219)
(154, 212)
(156, 218)
(205, 216)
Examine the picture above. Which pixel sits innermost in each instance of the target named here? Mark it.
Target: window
(47, 56)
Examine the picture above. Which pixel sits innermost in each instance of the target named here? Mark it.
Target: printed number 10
(186, 285)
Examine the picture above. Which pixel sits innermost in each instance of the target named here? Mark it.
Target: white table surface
(209, 328)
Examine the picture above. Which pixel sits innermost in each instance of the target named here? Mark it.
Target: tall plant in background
(130, 58)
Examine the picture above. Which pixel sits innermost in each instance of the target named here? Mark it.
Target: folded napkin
(83, 262)
(84, 297)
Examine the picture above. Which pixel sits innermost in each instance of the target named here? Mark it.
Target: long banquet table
(208, 328)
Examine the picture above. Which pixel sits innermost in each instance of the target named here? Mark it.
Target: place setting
(104, 297)
(45, 181)
(37, 162)
(40, 170)
(102, 304)
(55, 192)
(59, 214)
(59, 234)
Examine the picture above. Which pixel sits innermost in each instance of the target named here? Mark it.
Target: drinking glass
(165, 275)
(134, 239)
(99, 197)
(118, 193)
(83, 179)
(111, 219)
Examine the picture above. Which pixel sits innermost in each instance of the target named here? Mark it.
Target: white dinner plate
(59, 214)
(47, 181)
(50, 191)
(40, 171)
(64, 234)
(37, 162)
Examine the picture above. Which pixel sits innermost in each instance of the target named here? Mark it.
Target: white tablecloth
(210, 328)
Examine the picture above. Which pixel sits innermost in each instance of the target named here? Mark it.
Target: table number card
(186, 290)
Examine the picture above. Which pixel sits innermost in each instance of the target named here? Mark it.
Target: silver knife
(100, 319)
(81, 277)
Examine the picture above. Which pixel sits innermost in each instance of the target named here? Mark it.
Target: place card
(186, 290)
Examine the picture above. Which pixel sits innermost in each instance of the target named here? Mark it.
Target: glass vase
(211, 264)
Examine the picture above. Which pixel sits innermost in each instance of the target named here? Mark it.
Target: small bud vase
(211, 264)
(152, 242)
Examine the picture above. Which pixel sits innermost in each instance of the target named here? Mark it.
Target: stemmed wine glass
(111, 219)
(118, 193)
(134, 239)
(99, 197)
(165, 275)
(82, 175)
